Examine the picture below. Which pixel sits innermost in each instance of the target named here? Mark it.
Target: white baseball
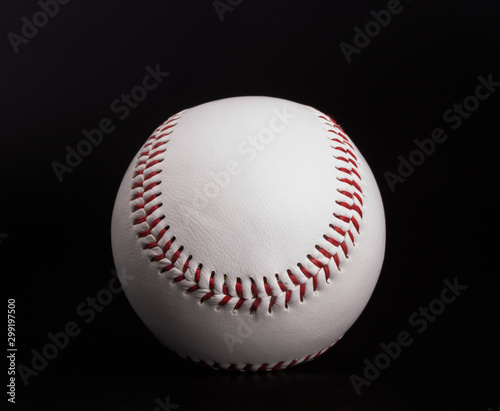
(250, 233)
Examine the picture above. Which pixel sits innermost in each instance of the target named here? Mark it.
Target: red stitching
(280, 365)
(149, 157)
(267, 288)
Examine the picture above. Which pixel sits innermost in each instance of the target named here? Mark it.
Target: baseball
(248, 233)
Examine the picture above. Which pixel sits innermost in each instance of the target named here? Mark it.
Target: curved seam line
(152, 149)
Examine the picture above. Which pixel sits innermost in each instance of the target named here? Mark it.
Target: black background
(441, 220)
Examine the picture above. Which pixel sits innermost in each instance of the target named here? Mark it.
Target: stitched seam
(280, 365)
(273, 291)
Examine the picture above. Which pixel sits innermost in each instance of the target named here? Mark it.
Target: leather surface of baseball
(251, 233)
